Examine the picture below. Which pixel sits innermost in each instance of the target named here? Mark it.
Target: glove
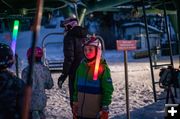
(103, 114)
(75, 110)
(61, 80)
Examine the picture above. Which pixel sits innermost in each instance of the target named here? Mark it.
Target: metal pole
(28, 88)
(169, 39)
(167, 32)
(76, 13)
(177, 4)
(17, 64)
(82, 12)
(178, 36)
(148, 43)
(126, 84)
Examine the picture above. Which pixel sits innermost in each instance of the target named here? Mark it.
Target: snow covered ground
(142, 105)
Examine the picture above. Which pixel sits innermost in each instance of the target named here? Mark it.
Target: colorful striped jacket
(91, 94)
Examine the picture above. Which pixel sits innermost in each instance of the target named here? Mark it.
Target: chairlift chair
(52, 64)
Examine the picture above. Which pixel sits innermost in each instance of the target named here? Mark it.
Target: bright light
(15, 27)
(14, 38)
(96, 69)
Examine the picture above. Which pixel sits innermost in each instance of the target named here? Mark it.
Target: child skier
(41, 80)
(11, 88)
(92, 95)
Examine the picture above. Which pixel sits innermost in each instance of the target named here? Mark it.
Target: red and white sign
(126, 44)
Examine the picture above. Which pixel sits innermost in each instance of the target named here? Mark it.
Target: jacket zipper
(84, 92)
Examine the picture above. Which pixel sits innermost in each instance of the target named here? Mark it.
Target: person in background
(11, 87)
(91, 97)
(41, 80)
(73, 53)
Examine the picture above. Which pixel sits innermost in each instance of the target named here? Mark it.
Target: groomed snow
(142, 105)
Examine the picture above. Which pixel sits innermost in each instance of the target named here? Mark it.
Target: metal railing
(53, 65)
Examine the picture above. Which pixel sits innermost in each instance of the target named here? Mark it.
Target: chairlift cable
(7, 4)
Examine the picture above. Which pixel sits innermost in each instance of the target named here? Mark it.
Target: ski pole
(16, 64)
(28, 88)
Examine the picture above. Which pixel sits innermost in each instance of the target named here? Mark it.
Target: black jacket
(73, 52)
(11, 95)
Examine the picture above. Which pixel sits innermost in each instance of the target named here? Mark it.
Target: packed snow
(142, 105)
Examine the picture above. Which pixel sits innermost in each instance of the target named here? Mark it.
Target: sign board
(126, 44)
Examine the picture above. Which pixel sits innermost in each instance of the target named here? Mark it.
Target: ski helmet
(38, 53)
(69, 23)
(6, 56)
(93, 41)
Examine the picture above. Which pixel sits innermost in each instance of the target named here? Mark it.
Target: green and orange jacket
(91, 94)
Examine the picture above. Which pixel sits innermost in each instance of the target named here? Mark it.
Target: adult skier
(73, 53)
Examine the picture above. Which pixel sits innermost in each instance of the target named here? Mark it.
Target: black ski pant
(71, 88)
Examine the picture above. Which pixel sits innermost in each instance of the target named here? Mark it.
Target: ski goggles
(89, 49)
